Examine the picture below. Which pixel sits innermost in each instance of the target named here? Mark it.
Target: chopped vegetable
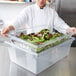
(40, 37)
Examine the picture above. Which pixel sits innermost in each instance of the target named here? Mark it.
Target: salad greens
(42, 37)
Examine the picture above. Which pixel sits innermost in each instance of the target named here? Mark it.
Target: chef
(38, 16)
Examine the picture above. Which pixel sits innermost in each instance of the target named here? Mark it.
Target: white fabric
(35, 19)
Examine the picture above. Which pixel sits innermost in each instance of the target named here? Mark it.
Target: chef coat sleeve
(59, 24)
(20, 20)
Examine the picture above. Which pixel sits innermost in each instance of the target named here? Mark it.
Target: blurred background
(66, 10)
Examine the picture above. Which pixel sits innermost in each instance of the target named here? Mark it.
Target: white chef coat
(36, 19)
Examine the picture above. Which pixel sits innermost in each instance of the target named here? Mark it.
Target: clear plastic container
(36, 58)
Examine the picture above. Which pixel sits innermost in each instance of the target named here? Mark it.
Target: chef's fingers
(4, 32)
(5, 35)
(71, 30)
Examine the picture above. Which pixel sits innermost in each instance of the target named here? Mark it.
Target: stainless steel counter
(65, 67)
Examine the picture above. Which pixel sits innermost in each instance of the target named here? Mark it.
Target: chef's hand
(71, 30)
(5, 31)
